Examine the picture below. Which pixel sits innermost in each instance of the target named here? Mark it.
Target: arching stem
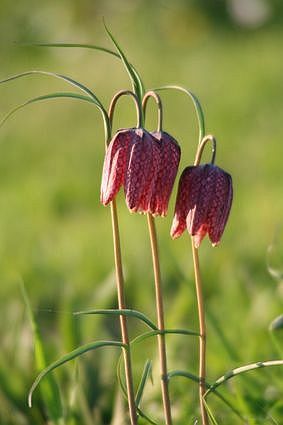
(200, 300)
(157, 99)
(158, 284)
(117, 96)
(160, 320)
(202, 331)
(121, 290)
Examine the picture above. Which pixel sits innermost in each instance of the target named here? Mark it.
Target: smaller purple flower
(203, 203)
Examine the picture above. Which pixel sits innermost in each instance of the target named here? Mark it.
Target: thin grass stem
(123, 319)
(160, 320)
(202, 339)
(200, 301)
(121, 291)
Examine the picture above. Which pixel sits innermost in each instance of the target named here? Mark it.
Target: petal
(200, 234)
(203, 187)
(184, 202)
(143, 162)
(220, 207)
(114, 166)
(170, 153)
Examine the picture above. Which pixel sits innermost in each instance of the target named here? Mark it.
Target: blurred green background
(56, 237)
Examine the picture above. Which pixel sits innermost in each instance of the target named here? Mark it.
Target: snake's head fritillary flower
(170, 153)
(203, 203)
(132, 160)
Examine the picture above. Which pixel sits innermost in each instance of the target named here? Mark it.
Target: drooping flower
(145, 164)
(203, 203)
(170, 153)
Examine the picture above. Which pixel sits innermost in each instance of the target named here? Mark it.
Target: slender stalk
(123, 319)
(160, 320)
(200, 302)
(202, 332)
(120, 279)
(157, 99)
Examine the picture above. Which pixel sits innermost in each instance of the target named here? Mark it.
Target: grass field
(56, 237)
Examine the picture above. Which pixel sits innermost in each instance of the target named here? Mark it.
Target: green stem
(200, 301)
(121, 293)
(202, 340)
(160, 321)
(197, 106)
(157, 99)
(117, 96)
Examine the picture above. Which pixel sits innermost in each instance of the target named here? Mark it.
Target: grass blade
(243, 369)
(92, 47)
(74, 83)
(120, 312)
(137, 83)
(70, 356)
(197, 106)
(146, 417)
(124, 391)
(149, 334)
(50, 391)
(145, 375)
(210, 414)
(195, 378)
(56, 75)
(46, 97)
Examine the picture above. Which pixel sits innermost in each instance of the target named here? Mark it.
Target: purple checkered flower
(203, 203)
(145, 164)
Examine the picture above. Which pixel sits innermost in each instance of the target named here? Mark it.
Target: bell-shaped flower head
(203, 203)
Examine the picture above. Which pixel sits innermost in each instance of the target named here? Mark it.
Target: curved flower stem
(117, 96)
(157, 99)
(196, 103)
(199, 293)
(202, 331)
(123, 319)
(120, 289)
(204, 141)
(160, 320)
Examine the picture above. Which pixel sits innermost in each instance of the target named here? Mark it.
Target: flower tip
(215, 244)
(196, 244)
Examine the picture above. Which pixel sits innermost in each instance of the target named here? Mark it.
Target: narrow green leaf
(243, 369)
(50, 391)
(92, 47)
(70, 356)
(124, 391)
(137, 83)
(46, 97)
(74, 83)
(184, 374)
(145, 375)
(120, 377)
(149, 334)
(117, 312)
(197, 106)
(277, 324)
(148, 418)
(210, 414)
(195, 378)
(74, 45)
(56, 75)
